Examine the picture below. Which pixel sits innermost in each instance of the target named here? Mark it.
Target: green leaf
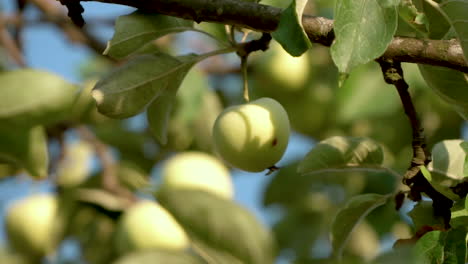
(25, 147)
(459, 216)
(132, 176)
(290, 32)
(447, 167)
(348, 217)
(158, 114)
(363, 30)
(439, 247)
(212, 255)
(342, 153)
(158, 256)
(31, 97)
(437, 23)
(456, 11)
(127, 90)
(174, 114)
(422, 214)
(137, 29)
(220, 224)
(450, 85)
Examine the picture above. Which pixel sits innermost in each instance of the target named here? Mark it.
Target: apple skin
(252, 136)
(147, 225)
(199, 171)
(291, 72)
(76, 166)
(31, 224)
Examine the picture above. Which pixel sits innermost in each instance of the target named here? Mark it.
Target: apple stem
(271, 170)
(245, 77)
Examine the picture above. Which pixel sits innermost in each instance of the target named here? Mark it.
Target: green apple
(292, 72)
(197, 170)
(31, 225)
(252, 136)
(76, 166)
(147, 225)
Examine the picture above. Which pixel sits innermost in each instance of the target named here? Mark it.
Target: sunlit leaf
(26, 148)
(355, 210)
(127, 90)
(447, 167)
(363, 30)
(32, 97)
(137, 29)
(221, 224)
(290, 33)
(342, 153)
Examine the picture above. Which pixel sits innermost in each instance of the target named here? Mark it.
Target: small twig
(54, 13)
(244, 51)
(75, 9)
(245, 78)
(413, 178)
(8, 42)
(254, 45)
(110, 181)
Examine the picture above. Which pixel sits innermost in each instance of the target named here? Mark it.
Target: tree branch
(445, 53)
(413, 178)
(110, 181)
(8, 42)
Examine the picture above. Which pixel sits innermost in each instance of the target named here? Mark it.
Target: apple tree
(380, 88)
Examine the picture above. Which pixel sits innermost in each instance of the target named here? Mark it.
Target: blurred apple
(252, 136)
(289, 72)
(203, 125)
(197, 170)
(31, 225)
(146, 225)
(76, 165)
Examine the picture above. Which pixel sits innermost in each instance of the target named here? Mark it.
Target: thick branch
(320, 30)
